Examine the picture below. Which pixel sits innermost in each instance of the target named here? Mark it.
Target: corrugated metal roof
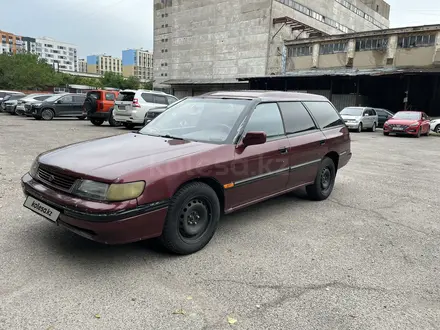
(349, 72)
(202, 81)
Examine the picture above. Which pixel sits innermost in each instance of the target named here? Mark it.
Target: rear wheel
(129, 125)
(324, 181)
(112, 121)
(47, 114)
(437, 129)
(192, 219)
(97, 122)
(81, 117)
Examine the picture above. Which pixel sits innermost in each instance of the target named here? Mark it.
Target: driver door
(260, 171)
(63, 106)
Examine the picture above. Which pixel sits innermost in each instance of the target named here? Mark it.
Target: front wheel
(373, 129)
(47, 114)
(192, 219)
(437, 129)
(419, 133)
(386, 133)
(359, 129)
(324, 181)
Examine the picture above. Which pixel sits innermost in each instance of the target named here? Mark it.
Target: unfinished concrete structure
(211, 43)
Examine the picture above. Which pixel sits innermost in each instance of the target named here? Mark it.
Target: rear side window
(266, 118)
(148, 97)
(42, 98)
(296, 117)
(372, 112)
(79, 99)
(109, 96)
(67, 99)
(159, 99)
(324, 114)
(126, 97)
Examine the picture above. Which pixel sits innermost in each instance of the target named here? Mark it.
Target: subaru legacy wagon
(203, 157)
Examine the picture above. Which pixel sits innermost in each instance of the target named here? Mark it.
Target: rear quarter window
(109, 96)
(296, 117)
(324, 113)
(159, 99)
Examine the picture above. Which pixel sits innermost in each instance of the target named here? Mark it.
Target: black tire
(386, 133)
(47, 114)
(111, 120)
(97, 122)
(129, 126)
(81, 117)
(419, 133)
(191, 203)
(324, 181)
(90, 105)
(359, 129)
(437, 129)
(373, 129)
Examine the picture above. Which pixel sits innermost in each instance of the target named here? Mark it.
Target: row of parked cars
(127, 107)
(415, 123)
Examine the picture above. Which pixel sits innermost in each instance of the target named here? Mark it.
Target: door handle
(283, 150)
(322, 142)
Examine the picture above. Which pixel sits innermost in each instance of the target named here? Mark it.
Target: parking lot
(367, 258)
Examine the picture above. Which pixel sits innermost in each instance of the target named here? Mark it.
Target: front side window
(67, 99)
(198, 119)
(266, 118)
(325, 114)
(148, 97)
(296, 117)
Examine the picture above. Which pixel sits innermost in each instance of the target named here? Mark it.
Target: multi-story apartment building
(101, 64)
(82, 65)
(10, 43)
(138, 63)
(198, 39)
(29, 44)
(61, 55)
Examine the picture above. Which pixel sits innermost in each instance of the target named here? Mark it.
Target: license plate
(41, 209)
(398, 129)
(121, 107)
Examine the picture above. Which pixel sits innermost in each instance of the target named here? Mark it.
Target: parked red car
(413, 123)
(203, 157)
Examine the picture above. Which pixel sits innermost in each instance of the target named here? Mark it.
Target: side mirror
(254, 138)
(366, 115)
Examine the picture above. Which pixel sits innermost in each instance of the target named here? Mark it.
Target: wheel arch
(48, 108)
(211, 182)
(334, 156)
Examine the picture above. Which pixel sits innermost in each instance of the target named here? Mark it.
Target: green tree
(147, 85)
(131, 83)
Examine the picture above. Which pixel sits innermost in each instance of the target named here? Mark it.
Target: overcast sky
(108, 26)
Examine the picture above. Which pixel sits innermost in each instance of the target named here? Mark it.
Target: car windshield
(352, 111)
(53, 98)
(203, 120)
(407, 115)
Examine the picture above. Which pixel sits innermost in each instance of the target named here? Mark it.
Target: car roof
(410, 111)
(143, 91)
(266, 95)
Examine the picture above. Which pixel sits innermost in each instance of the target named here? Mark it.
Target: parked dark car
(6, 96)
(383, 115)
(59, 105)
(204, 157)
(11, 103)
(29, 99)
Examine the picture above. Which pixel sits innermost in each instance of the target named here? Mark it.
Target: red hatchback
(413, 123)
(203, 157)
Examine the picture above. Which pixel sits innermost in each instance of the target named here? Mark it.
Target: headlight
(110, 192)
(414, 124)
(37, 105)
(34, 168)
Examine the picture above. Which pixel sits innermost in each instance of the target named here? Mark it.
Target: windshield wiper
(171, 137)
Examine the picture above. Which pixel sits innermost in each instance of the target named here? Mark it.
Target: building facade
(82, 65)
(100, 64)
(138, 63)
(30, 45)
(61, 55)
(11, 43)
(214, 41)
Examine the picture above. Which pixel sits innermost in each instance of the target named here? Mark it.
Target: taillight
(136, 103)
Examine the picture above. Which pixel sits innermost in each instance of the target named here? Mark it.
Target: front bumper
(352, 124)
(406, 130)
(10, 108)
(108, 223)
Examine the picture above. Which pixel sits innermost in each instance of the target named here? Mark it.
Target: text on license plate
(41, 209)
(398, 128)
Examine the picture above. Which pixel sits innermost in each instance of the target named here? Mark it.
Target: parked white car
(131, 106)
(360, 118)
(435, 125)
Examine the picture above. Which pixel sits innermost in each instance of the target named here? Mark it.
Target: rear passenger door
(327, 118)
(306, 143)
(77, 105)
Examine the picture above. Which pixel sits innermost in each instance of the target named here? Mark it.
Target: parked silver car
(360, 118)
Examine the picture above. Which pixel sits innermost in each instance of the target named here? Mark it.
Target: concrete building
(29, 44)
(11, 43)
(82, 65)
(101, 64)
(393, 68)
(60, 54)
(138, 63)
(207, 42)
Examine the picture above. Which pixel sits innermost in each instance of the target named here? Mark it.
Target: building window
(425, 40)
(299, 51)
(337, 47)
(371, 44)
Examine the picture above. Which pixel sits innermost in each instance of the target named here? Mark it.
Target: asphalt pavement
(367, 258)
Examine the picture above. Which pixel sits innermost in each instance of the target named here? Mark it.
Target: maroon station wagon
(203, 157)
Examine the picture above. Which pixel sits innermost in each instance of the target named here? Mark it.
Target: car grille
(398, 126)
(55, 179)
(27, 106)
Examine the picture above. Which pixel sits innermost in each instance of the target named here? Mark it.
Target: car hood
(112, 157)
(401, 121)
(351, 117)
